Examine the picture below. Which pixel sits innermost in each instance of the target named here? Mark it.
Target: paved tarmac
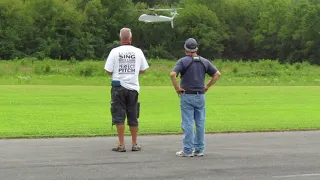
(251, 156)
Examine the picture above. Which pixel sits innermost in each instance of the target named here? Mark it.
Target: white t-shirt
(125, 62)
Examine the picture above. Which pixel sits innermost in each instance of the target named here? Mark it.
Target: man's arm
(110, 63)
(144, 64)
(213, 80)
(214, 73)
(173, 76)
(174, 81)
(142, 71)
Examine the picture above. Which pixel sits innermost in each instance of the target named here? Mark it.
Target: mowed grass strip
(30, 71)
(65, 111)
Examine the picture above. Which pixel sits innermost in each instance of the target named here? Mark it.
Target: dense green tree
(201, 23)
(56, 28)
(95, 29)
(14, 27)
(311, 34)
(270, 22)
(230, 29)
(153, 3)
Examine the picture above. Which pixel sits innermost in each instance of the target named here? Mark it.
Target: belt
(194, 92)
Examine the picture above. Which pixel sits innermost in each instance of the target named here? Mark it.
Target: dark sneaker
(119, 149)
(198, 153)
(136, 147)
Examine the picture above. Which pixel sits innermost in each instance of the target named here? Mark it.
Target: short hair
(125, 34)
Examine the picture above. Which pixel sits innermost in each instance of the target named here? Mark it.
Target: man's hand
(206, 89)
(213, 80)
(179, 91)
(174, 81)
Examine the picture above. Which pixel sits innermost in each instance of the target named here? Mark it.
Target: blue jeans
(193, 112)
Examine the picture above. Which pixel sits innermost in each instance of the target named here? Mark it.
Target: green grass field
(91, 73)
(64, 111)
(52, 98)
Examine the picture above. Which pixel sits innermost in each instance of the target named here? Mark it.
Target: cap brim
(190, 50)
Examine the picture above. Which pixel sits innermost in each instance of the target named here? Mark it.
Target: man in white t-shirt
(125, 63)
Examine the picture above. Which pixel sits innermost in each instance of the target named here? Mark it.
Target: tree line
(287, 30)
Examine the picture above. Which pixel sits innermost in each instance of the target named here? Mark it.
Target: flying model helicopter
(153, 17)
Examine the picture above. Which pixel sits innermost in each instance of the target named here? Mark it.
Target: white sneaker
(182, 154)
(198, 153)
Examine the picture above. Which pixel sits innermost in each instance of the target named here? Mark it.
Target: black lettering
(127, 56)
(124, 70)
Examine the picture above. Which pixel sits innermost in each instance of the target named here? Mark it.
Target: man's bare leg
(120, 130)
(134, 134)
(121, 147)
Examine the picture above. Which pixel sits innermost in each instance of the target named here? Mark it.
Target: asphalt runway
(247, 156)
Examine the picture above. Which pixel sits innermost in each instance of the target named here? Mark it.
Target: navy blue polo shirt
(194, 77)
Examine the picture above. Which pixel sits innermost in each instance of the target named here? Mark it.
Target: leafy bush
(89, 68)
(42, 67)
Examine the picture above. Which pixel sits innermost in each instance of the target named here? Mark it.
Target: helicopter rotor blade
(171, 9)
(163, 9)
(135, 9)
(153, 9)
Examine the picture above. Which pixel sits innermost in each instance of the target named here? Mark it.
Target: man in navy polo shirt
(193, 69)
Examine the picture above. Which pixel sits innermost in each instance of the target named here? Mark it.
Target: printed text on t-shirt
(127, 62)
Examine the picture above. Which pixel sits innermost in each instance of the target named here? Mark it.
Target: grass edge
(157, 134)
